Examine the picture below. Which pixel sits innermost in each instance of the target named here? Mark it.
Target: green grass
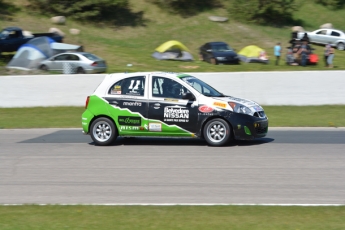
(32, 217)
(67, 117)
(134, 45)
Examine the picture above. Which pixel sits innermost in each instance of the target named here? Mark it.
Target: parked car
(218, 52)
(325, 36)
(169, 105)
(79, 62)
(11, 38)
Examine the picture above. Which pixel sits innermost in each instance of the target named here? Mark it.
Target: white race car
(169, 105)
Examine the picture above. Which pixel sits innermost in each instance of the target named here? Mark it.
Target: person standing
(326, 53)
(303, 51)
(330, 57)
(277, 52)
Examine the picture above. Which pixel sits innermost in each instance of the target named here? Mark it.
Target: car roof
(217, 43)
(74, 52)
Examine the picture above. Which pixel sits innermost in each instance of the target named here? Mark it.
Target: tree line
(273, 12)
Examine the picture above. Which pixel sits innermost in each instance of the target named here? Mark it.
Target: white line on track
(175, 204)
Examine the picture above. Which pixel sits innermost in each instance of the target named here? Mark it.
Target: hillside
(134, 45)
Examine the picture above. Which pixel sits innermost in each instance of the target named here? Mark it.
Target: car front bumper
(248, 127)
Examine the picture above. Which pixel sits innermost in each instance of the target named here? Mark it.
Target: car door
(321, 36)
(334, 36)
(169, 114)
(128, 97)
(57, 62)
(203, 51)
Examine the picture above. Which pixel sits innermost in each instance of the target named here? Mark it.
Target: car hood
(252, 105)
(225, 54)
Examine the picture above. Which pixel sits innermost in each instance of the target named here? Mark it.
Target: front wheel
(44, 68)
(340, 46)
(217, 132)
(103, 131)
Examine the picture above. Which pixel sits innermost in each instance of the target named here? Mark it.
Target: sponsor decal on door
(155, 127)
(129, 121)
(176, 114)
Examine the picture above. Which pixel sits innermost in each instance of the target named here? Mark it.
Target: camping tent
(172, 50)
(252, 54)
(36, 50)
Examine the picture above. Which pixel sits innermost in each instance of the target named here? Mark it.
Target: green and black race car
(159, 104)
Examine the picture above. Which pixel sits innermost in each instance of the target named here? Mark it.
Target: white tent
(36, 50)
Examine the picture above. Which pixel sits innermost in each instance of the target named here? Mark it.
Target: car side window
(322, 32)
(167, 88)
(62, 57)
(200, 88)
(73, 57)
(133, 86)
(336, 34)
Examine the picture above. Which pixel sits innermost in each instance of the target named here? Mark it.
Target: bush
(186, 8)
(333, 4)
(272, 12)
(7, 10)
(113, 11)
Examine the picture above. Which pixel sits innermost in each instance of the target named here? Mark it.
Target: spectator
(303, 52)
(277, 52)
(326, 53)
(290, 59)
(330, 57)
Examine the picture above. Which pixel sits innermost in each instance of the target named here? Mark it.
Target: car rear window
(91, 57)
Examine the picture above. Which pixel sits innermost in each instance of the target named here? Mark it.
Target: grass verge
(68, 117)
(171, 217)
(121, 46)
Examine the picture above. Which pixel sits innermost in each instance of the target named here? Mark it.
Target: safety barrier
(266, 88)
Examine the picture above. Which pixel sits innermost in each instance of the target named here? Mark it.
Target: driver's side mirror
(188, 96)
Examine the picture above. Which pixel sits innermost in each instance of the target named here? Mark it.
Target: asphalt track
(289, 166)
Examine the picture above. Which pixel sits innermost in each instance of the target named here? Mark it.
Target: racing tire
(44, 68)
(201, 57)
(217, 132)
(80, 70)
(213, 61)
(341, 46)
(103, 131)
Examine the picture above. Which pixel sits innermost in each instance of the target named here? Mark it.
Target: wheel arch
(106, 116)
(204, 122)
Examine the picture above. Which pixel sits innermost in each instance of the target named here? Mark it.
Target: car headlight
(221, 58)
(239, 108)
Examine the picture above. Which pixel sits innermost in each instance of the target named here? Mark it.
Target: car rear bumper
(97, 70)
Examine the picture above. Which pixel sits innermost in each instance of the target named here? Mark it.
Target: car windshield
(202, 87)
(221, 48)
(4, 34)
(91, 57)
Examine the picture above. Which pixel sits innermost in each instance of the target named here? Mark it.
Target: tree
(274, 12)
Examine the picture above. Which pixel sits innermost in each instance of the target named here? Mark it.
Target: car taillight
(94, 64)
(87, 101)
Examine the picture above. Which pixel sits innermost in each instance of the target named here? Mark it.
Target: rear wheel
(44, 68)
(213, 61)
(80, 70)
(103, 131)
(217, 132)
(340, 46)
